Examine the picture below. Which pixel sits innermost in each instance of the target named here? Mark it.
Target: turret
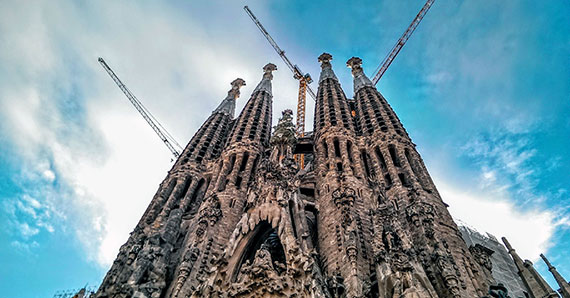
(341, 190)
(393, 162)
(562, 283)
(211, 136)
(534, 282)
(331, 109)
(249, 137)
(254, 122)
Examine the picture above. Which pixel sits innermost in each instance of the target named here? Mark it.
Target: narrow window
(336, 148)
(394, 156)
(365, 162)
(232, 163)
(244, 161)
(349, 150)
(326, 149)
(238, 182)
(403, 180)
(196, 197)
(339, 166)
(388, 180)
(293, 219)
(254, 165)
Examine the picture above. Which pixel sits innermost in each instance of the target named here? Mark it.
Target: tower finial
(360, 78)
(268, 69)
(325, 58)
(228, 105)
(562, 283)
(236, 85)
(547, 262)
(507, 244)
(326, 72)
(265, 84)
(355, 64)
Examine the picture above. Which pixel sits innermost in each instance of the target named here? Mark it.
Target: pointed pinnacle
(325, 58)
(547, 262)
(269, 68)
(354, 63)
(507, 244)
(236, 85)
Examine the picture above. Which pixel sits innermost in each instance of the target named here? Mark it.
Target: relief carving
(211, 213)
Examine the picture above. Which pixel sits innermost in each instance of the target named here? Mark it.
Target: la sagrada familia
(237, 216)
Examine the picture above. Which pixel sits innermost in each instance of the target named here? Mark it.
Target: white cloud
(70, 122)
(26, 231)
(24, 247)
(530, 232)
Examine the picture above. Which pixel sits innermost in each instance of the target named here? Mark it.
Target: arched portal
(263, 251)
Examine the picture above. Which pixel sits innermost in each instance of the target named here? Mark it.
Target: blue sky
(482, 87)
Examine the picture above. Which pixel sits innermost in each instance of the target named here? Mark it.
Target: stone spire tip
(269, 68)
(507, 244)
(326, 72)
(325, 58)
(360, 78)
(354, 63)
(236, 85)
(546, 261)
(265, 84)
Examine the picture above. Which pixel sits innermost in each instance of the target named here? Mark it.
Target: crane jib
(162, 133)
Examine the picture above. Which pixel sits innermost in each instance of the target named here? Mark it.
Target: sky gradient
(482, 87)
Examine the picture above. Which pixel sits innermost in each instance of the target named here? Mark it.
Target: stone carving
(482, 255)
(188, 261)
(209, 215)
(448, 269)
(370, 235)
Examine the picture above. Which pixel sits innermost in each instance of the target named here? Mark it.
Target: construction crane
(304, 81)
(168, 140)
(400, 44)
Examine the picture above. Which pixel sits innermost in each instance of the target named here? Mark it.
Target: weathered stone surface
(236, 217)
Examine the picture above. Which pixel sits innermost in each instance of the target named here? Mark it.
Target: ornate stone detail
(482, 255)
(234, 187)
(209, 215)
(188, 261)
(422, 214)
(447, 268)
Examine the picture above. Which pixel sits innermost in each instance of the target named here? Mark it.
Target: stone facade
(237, 217)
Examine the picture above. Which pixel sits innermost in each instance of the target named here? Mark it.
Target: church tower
(237, 217)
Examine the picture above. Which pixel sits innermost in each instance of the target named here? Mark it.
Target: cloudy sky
(482, 87)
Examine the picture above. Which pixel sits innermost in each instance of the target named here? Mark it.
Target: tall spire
(533, 281)
(518, 261)
(228, 105)
(265, 84)
(562, 283)
(360, 78)
(326, 72)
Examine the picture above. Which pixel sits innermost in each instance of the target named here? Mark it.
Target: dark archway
(267, 238)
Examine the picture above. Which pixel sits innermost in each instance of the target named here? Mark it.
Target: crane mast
(304, 81)
(168, 140)
(400, 44)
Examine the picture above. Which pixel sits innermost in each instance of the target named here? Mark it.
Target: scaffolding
(85, 292)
